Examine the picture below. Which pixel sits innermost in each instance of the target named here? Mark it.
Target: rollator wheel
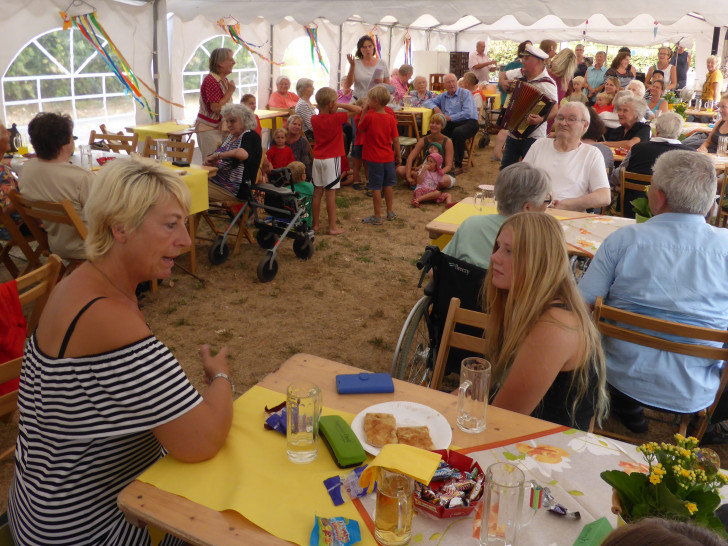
(266, 239)
(267, 268)
(303, 248)
(219, 252)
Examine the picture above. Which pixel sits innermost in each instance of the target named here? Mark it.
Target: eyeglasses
(548, 200)
(571, 119)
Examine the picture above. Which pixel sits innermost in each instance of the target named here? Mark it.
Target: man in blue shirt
(672, 267)
(595, 76)
(458, 107)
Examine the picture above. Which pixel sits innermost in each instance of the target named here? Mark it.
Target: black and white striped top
(84, 434)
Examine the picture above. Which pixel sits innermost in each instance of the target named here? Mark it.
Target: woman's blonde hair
(122, 195)
(541, 278)
(564, 65)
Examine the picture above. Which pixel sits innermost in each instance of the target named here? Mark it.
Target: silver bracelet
(224, 376)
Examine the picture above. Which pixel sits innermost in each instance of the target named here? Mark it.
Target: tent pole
(270, 79)
(341, 46)
(155, 56)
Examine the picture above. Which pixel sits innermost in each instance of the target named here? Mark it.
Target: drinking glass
(84, 151)
(479, 200)
(393, 513)
(303, 410)
(503, 496)
(161, 149)
(473, 394)
(723, 146)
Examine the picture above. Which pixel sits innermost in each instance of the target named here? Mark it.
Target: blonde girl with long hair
(545, 351)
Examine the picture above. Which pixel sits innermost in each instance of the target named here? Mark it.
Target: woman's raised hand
(350, 58)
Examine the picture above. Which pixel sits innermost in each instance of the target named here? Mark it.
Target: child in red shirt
(381, 151)
(327, 152)
(604, 103)
(249, 101)
(280, 153)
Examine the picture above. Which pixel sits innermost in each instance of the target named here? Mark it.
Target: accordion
(526, 99)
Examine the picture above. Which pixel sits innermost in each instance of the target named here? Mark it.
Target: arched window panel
(245, 73)
(298, 64)
(59, 71)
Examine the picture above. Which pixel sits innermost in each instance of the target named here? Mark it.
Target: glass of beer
(303, 410)
(394, 509)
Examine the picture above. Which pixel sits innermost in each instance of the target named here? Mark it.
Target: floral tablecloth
(567, 462)
(588, 233)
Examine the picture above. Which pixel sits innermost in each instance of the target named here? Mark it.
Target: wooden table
(143, 503)
(272, 119)
(166, 129)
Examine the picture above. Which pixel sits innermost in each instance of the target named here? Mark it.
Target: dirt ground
(347, 303)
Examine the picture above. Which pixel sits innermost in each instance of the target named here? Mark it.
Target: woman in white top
(663, 63)
(366, 70)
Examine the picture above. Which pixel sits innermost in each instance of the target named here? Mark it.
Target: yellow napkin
(414, 462)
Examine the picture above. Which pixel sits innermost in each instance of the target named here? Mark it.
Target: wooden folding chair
(22, 242)
(32, 288)
(408, 124)
(721, 215)
(468, 159)
(630, 181)
(176, 150)
(456, 315)
(34, 213)
(116, 142)
(616, 329)
(437, 82)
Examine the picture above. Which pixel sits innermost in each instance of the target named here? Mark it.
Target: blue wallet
(363, 383)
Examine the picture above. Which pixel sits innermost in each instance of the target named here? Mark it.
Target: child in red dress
(280, 154)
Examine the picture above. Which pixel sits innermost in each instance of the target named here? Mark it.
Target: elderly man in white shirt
(578, 177)
(480, 64)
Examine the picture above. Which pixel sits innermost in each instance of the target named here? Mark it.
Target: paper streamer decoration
(312, 31)
(375, 38)
(654, 31)
(586, 26)
(92, 30)
(234, 31)
(407, 48)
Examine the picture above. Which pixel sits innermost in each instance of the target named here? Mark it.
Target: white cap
(536, 52)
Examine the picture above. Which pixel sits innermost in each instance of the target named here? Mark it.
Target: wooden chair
(721, 215)
(176, 150)
(630, 181)
(616, 329)
(116, 142)
(408, 123)
(437, 82)
(450, 338)
(32, 288)
(468, 158)
(22, 242)
(34, 213)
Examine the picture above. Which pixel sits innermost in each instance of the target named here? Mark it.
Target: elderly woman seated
(518, 188)
(50, 177)
(238, 157)
(113, 399)
(420, 93)
(630, 131)
(282, 97)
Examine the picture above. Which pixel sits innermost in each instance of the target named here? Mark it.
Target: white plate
(407, 414)
(486, 187)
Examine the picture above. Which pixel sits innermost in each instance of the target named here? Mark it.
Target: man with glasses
(578, 177)
(672, 267)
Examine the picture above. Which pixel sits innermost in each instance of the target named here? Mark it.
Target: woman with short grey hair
(238, 157)
(304, 108)
(216, 91)
(282, 97)
(630, 131)
(520, 187)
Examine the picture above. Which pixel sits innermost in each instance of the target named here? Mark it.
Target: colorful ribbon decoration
(92, 30)
(407, 48)
(312, 31)
(654, 32)
(234, 32)
(375, 38)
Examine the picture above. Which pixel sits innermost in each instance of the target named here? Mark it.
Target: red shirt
(258, 129)
(280, 157)
(599, 109)
(380, 130)
(329, 135)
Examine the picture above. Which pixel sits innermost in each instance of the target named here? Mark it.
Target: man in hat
(533, 72)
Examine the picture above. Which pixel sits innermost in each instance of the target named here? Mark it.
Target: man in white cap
(479, 63)
(533, 72)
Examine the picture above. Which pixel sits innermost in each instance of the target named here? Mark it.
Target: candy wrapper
(275, 418)
(335, 532)
(345, 487)
(455, 489)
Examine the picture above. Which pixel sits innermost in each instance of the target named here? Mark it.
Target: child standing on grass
(381, 151)
(280, 154)
(428, 179)
(327, 152)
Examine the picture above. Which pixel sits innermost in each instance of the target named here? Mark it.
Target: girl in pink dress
(429, 177)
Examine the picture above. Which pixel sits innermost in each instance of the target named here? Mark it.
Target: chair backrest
(48, 211)
(116, 142)
(450, 338)
(18, 239)
(630, 181)
(721, 216)
(176, 150)
(408, 122)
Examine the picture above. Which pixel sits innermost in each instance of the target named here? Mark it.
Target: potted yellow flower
(682, 484)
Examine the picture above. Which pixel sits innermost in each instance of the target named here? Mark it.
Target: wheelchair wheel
(414, 357)
(219, 252)
(303, 248)
(266, 239)
(579, 265)
(267, 268)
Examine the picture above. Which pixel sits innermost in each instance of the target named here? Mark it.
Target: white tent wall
(130, 28)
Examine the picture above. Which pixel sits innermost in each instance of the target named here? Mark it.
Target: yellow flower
(655, 479)
(679, 437)
(692, 507)
(685, 473)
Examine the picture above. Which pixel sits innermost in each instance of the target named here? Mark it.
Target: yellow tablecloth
(196, 180)
(274, 121)
(253, 476)
(426, 115)
(457, 215)
(157, 130)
